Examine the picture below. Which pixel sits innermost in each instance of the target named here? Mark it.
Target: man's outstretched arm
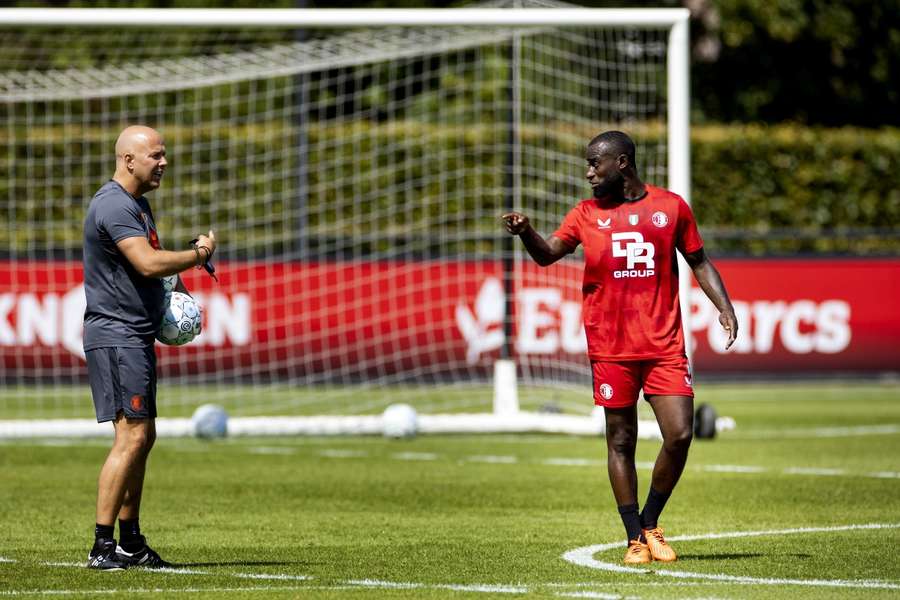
(544, 251)
(711, 283)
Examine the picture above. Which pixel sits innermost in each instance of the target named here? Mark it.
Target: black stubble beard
(611, 185)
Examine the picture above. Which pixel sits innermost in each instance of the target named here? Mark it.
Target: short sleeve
(569, 231)
(688, 240)
(120, 221)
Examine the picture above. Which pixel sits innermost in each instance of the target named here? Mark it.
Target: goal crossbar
(325, 17)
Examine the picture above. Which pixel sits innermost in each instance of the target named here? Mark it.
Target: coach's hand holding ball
(182, 321)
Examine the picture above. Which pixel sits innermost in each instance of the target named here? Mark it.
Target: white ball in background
(400, 421)
(210, 421)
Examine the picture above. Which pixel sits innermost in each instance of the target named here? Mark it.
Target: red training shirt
(630, 286)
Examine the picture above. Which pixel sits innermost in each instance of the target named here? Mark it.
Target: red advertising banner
(355, 320)
(803, 315)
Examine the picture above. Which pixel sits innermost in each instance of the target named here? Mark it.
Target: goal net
(354, 165)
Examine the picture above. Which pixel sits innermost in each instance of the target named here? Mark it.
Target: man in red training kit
(630, 231)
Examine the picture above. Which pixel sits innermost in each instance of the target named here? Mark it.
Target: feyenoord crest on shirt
(632, 220)
(660, 219)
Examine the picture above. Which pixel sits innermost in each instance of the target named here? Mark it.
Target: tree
(814, 61)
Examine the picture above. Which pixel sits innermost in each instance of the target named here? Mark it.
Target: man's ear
(622, 161)
(129, 161)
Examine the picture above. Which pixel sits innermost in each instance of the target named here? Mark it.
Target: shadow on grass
(733, 556)
(243, 563)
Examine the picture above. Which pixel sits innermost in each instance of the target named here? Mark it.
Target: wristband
(200, 260)
(204, 263)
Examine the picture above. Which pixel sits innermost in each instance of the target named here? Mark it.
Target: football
(169, 283)
(181, 323)
(400, 421)
(210, 421)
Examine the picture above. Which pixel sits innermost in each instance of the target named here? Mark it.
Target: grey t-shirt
(124, 308)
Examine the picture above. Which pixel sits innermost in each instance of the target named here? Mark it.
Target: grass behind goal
(481, 516)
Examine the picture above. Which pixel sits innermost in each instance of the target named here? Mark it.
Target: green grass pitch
(814, 470)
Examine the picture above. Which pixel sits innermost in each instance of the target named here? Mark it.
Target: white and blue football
(169, 283)
(210, 421)
(181, 323)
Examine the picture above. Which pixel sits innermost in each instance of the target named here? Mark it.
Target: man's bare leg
(675, 415)
(123, 472)
(621, 442)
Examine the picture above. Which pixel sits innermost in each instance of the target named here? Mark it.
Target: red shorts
(617, 384)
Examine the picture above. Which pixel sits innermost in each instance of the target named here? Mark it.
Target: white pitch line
(179, 571)
(377, 583)
(460, 587)
(478, 587)
(583, 462)
(601, 595)
(884, 475)
(818, 432)
(813, 471)
(183, 571)
(572, 462)
(271, 450)
(414, 456)
(493, 459)
(748, 469)
(731, 469)
(176, 570)
(343, 453)
(272, 576)
(666, 584)
(585, 557)
(7, 560)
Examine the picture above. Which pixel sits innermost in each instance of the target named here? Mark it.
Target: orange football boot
(637, 554)
(659, 549)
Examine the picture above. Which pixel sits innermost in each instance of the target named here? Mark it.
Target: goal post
(355, 175)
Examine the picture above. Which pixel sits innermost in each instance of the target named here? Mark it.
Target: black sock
(631, 520)
(130, 537)
(654, 505)
(104, 532)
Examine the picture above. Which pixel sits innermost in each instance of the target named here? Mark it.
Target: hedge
(788, 188)
(426, 189)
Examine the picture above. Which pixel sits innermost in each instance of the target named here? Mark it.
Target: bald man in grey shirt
(124, 264)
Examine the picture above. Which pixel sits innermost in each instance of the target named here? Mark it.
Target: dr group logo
(635, 251)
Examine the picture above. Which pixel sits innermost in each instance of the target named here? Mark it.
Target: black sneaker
(145, 557)
(103, 556)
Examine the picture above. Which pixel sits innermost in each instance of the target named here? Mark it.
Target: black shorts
(123, 379)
